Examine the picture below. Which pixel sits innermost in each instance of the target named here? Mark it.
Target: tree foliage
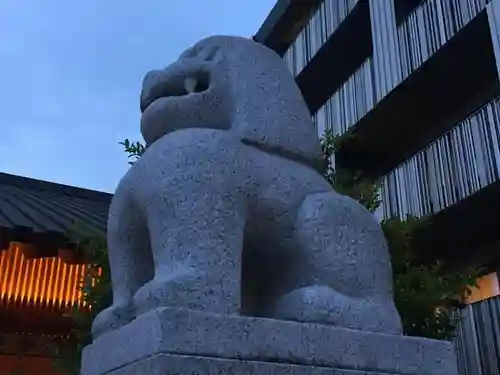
(133, 149)
(96, 294)
(425, 296)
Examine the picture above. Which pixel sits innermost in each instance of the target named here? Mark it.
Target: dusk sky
(70, 76)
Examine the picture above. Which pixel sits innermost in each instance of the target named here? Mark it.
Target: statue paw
(322, 304)
(112, 318)
(150, 296)
(180, 289)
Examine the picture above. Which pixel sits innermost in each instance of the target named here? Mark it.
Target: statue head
(235, 84)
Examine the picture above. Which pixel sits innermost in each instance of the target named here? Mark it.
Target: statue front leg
(196, 228)
(130, 258)
(344, 275)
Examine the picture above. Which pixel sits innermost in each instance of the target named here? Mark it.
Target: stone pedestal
(171, 341)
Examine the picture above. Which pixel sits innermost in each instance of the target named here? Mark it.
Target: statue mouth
(190, 85)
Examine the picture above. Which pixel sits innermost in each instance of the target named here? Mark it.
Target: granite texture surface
(226, 211)
(191, 342)
(167, 364)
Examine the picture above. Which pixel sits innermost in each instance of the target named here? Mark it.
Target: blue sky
(70, 74)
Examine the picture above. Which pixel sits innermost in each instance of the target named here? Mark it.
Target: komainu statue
(227, 211)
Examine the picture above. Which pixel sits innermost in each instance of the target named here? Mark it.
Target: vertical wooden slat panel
(41, 281)
(451, 168)
(477, 341)
(327, 18)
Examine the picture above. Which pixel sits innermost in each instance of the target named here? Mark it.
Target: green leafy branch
(133, 149)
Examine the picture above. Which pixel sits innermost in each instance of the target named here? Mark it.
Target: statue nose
(148, 82)
(180, 67)
(150, 78)
(171, 81)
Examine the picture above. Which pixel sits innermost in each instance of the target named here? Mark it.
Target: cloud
(71, 74)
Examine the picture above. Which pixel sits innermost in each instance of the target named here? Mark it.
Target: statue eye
(203, 54)
(212, 54)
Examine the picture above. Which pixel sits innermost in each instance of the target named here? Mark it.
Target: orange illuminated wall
(38, 281)
(10, 364)
(487, 287)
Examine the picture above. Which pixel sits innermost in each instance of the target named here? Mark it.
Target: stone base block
(167, 364)
(172, 341)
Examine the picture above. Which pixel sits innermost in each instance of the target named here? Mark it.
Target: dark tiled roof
(41, 212)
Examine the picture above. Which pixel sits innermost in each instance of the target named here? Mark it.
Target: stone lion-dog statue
(228, 212)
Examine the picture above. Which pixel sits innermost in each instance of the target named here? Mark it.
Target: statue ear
(189, 53)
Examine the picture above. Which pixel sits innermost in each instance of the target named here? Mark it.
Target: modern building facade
(415, 84)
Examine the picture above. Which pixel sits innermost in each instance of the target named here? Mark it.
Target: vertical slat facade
(430, 26)
(324, 22)
(447, 170)
(452, 167)
(354, 99)
(386, 55)
(43, 282)
(493, 11)
(477, 339)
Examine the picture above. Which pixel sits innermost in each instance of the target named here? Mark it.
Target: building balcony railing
(427, 104)
(331, 49)
(453, 167)
(327, 18)
(429, 26)
(350, 103)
